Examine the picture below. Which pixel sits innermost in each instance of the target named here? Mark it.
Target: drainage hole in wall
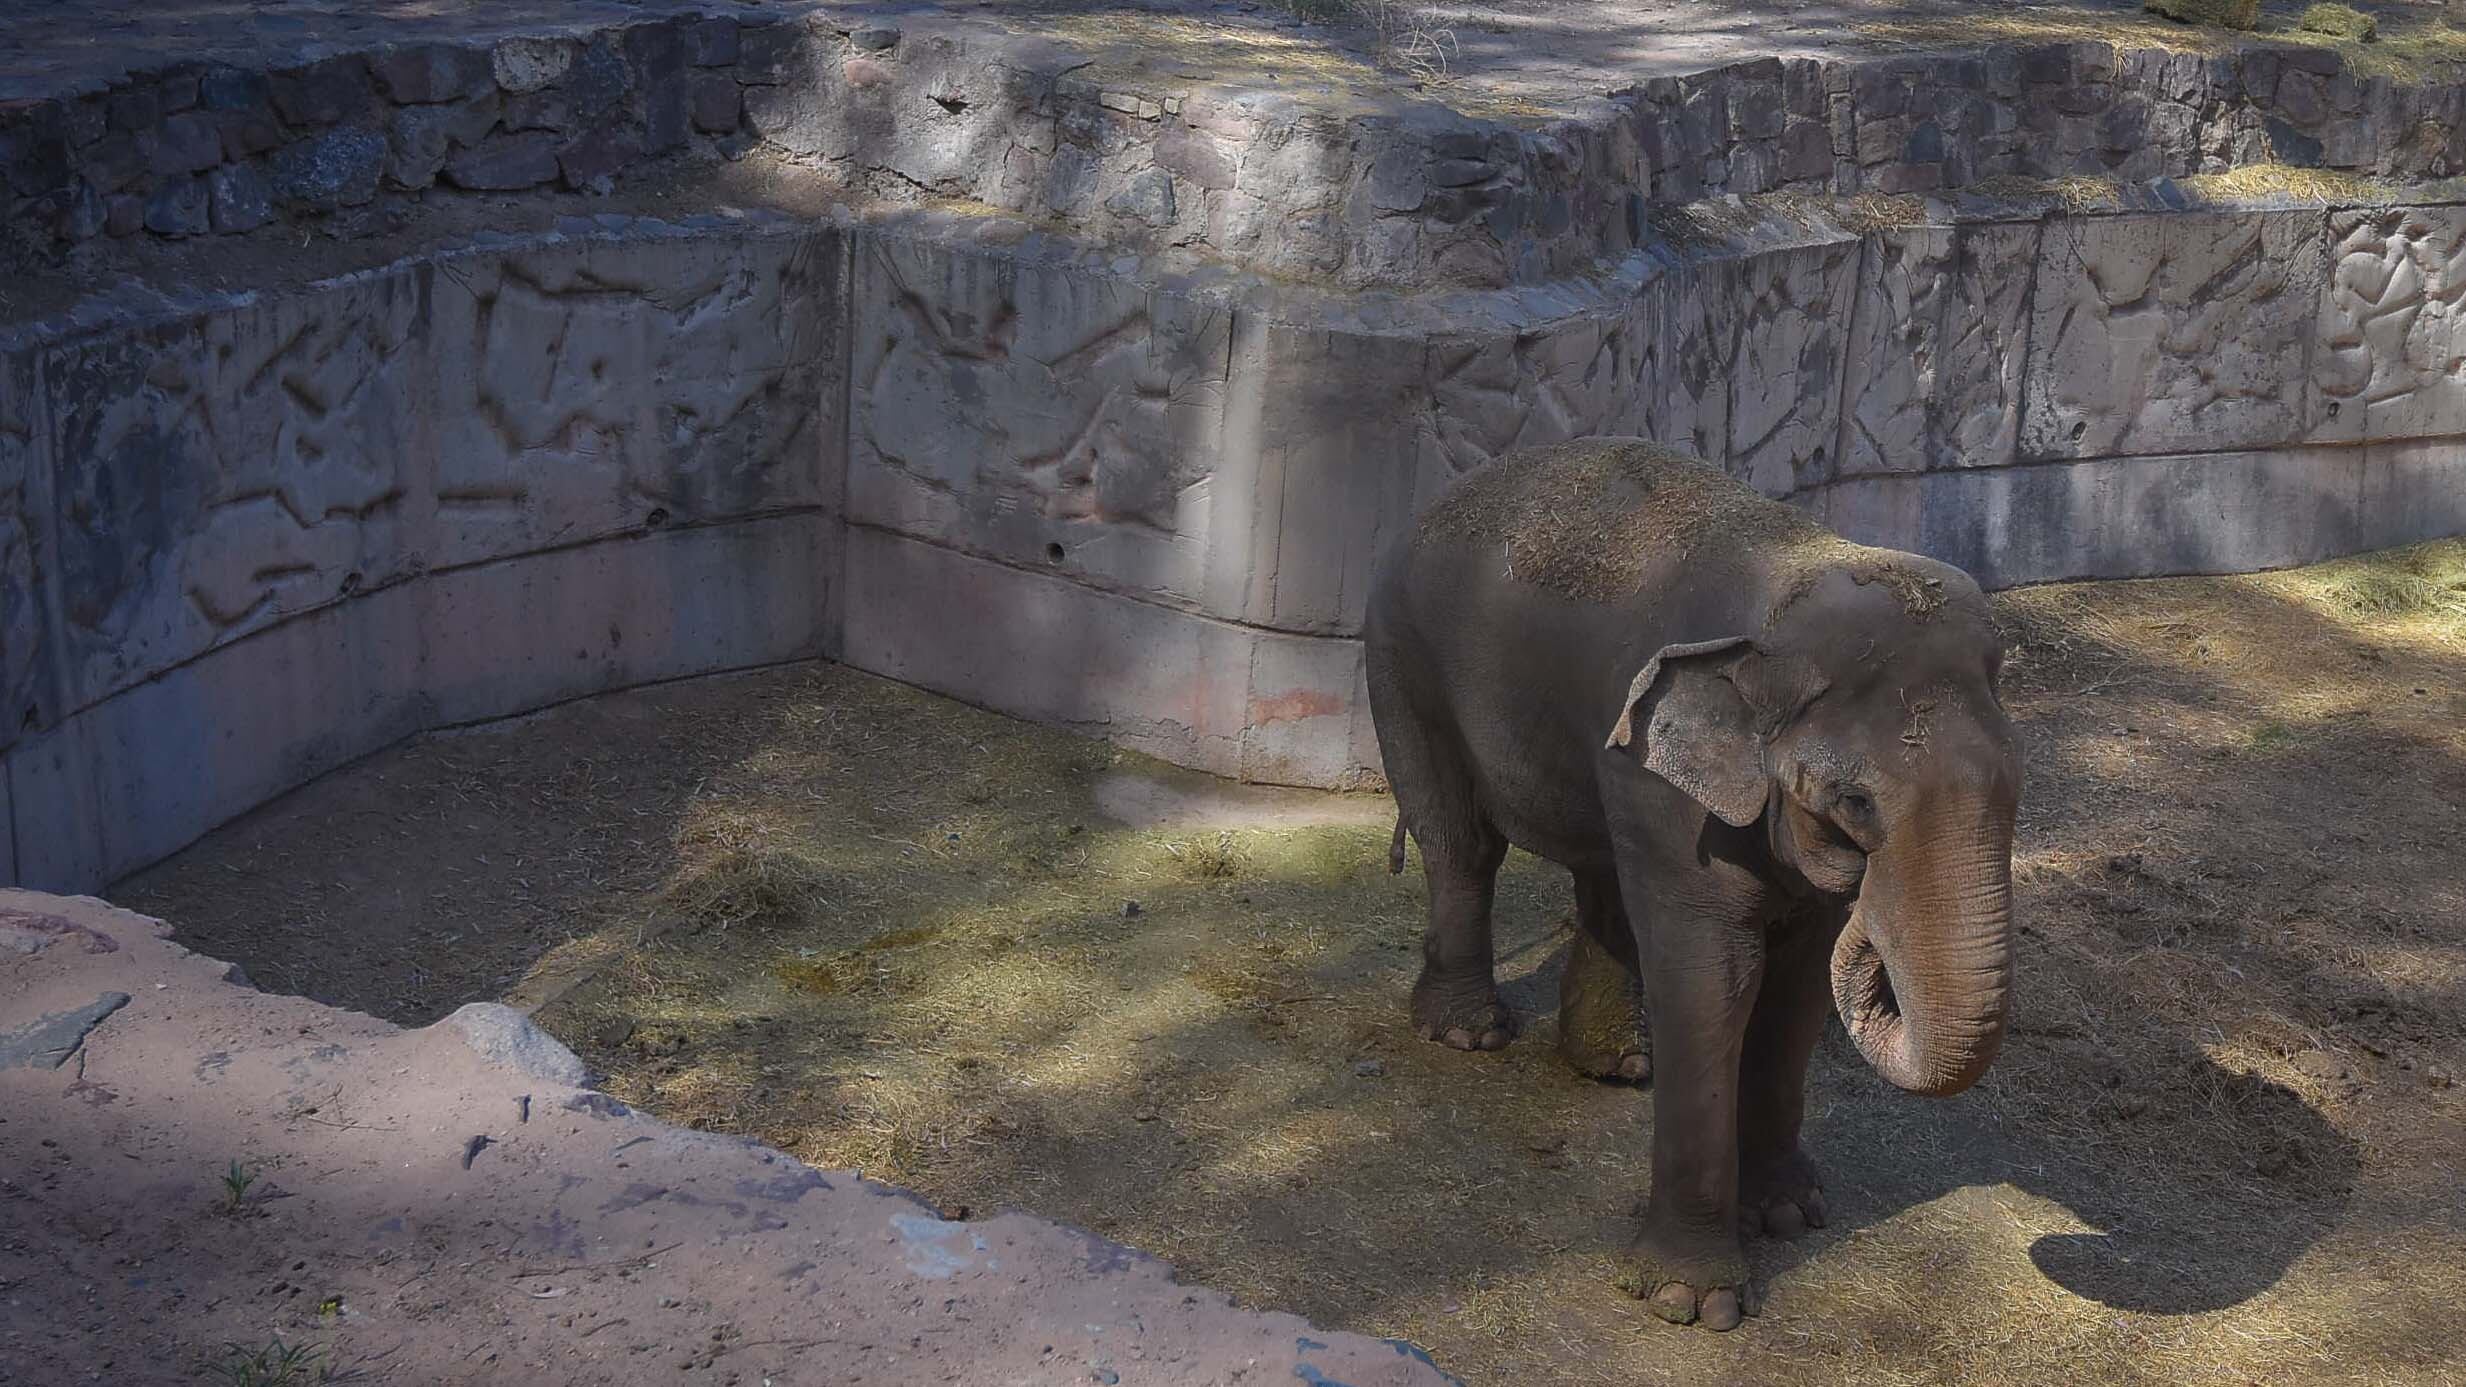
(1053, 553)
(351, 583)
(2079, 429)
(657, 517)
(2333, 409)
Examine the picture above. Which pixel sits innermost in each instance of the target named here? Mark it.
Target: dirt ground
(1007, 967)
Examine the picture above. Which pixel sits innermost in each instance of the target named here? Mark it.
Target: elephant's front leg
(1701, 978)
(1780, 1192)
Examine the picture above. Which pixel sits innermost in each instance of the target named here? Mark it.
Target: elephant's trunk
(1923, 971)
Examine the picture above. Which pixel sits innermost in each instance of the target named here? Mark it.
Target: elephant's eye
(1856, 804)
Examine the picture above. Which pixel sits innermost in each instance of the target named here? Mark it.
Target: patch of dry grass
(2409, 52)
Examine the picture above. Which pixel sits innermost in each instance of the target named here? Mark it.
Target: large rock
(339, 168)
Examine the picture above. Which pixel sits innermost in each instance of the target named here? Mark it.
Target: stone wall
(1394, 190)
(247, 538)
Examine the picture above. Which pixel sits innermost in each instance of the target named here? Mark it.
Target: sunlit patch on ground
(1005, 966)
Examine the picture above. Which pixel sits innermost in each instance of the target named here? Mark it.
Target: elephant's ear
(1708, 707)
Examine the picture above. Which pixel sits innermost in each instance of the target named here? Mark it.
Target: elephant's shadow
(2206, 1184)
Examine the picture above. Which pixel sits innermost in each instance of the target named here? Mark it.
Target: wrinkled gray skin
(1779, 785)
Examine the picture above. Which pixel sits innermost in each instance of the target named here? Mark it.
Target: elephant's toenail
(1674, 1302)
(1721, 1310)
(1783, 1220)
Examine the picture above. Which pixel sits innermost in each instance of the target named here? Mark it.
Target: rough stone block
(220, 472)
(603, 387)
(324, 93)
(179, 207)
(710, 42)
(595, 159)
(2389, 359)
(505, 163)
(424, 137)
(189, 142)
(339, 168)
(241, 200)
(1938, 340)
(1045, 414)
(523, 65)
(433, 72)
(2174, 333)
(717, 102)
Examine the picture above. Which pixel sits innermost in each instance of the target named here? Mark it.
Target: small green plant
(236, 1181)
(276, 1365)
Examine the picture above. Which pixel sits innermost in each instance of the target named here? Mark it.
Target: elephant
(1774, 763)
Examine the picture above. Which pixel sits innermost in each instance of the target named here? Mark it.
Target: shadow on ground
(884, 931)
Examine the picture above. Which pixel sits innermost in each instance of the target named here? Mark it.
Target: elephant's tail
(1395, 850)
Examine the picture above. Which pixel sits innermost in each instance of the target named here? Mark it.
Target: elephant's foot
(1699, 1280)
(1461, 1016)
(1782, 1199)
(1601, 1031)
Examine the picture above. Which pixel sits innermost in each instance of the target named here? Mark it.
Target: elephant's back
(1598, 519)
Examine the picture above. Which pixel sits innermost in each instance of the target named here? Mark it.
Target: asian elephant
(1775, 764)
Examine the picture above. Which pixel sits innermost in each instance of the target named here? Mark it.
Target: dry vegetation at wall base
(1006, 966)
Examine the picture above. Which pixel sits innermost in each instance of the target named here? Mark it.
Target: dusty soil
(1003, 966)
(202, 1182)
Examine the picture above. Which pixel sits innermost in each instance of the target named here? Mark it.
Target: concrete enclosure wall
(248, 538)
(1113, 437)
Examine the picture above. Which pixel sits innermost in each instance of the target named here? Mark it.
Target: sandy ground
(1006, 967)
(200, 1182)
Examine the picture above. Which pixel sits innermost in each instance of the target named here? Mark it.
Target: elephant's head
(1861, 728)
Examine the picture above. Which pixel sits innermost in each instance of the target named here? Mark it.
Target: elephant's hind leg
(1601, 1029)
(1456, 1000)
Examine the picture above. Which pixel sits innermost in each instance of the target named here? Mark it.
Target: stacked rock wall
(1100, 467)
(1374, 187)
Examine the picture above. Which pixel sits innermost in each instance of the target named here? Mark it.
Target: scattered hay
(2076, 194)
(2254, 181)
(1591, 519)
(2339, 22)
(2225, 14)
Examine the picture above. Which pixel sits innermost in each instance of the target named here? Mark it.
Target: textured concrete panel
(1787, 313)
(1172, 684)
(2413, 491)
(2391, 357)
(2115, 518)
(2188, 332)
(1041, 413)
(8, 824)
(1683, 362)
(598, 386)
(151, 768)
(1937, 343)
(217, 474)
(29, 683)
(1331, 418)
(508, 637)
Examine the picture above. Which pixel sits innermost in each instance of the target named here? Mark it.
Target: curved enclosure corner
(1077, 470)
